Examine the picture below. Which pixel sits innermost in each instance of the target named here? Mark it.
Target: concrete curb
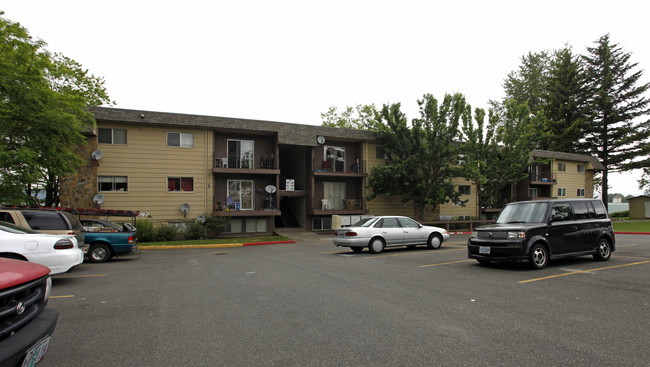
(223, 245)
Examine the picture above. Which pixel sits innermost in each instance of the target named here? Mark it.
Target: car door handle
(574, 228)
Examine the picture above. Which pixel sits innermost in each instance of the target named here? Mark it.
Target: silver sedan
(377, 233)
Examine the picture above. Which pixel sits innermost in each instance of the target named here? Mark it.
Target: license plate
(485, 250)
(36, 353)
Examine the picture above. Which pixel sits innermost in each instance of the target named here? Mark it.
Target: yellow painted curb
(190, 246)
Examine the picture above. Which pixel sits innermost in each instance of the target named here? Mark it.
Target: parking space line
(69, 296)
(582, 271)
(439, 264)
(633, 257)
(414, 253)
(79, 276)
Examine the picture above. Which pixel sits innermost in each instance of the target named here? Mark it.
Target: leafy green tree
(618, 128)
(360, 117)
(420, 159)
(43, 100)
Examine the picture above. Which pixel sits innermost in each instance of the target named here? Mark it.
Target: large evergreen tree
(618, 128)
(564, 103)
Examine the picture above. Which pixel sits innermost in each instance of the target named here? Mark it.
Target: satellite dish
(200, 218)
(98, 199)
(270, 189)
(97, 155)
(320, 139)
(185, 207)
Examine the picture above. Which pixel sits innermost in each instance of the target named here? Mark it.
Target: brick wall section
(77, 189)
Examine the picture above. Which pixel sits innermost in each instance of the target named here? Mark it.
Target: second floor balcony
(246, 163)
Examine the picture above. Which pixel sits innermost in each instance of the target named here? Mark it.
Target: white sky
(289, 61)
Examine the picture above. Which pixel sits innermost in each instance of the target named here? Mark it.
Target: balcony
(264, 205)
(337, 168)
(331, 206)
(246, 163)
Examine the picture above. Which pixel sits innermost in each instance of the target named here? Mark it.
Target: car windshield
(523, 213)
(365, 222)
(10, 228)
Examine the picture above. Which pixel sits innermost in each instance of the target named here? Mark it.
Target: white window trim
(181, 183)
(239, 199)
(241, 153)
(113, 184)
(561, 192)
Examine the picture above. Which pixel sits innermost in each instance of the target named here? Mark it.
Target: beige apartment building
(176, 168)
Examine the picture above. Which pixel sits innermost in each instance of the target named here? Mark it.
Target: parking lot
(312, 304)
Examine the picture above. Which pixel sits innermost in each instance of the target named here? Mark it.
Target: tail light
(63, 244)
(130, 239)
(350, 234)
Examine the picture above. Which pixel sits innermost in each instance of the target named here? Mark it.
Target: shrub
(215, 225)
(145, 232)
(622, 214)
(195, 231)
(167, 233)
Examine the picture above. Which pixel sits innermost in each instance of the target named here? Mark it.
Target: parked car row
(58, 240)
(530, 232)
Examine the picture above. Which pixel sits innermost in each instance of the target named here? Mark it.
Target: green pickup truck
(108, 239)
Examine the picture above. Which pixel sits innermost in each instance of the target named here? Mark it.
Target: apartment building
(264, 174)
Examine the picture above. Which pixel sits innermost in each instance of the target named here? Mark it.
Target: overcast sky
(289, 61)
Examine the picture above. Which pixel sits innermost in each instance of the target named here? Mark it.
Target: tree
(563, 103)
(618, 128)
(420, 159)
(360, 117)
(528, 84)
(644, 181)
(43, 100)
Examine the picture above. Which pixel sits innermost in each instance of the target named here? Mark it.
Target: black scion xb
(536, 231)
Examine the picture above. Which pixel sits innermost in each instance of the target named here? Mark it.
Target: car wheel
(99, 253)
(434, 242)
(376, 245)
(538, 257)
(604, 250)
(357, 249)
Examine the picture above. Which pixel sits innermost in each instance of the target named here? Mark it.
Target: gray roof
(288, 133)
(569, 157)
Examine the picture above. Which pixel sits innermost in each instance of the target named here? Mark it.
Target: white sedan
(377, 233)
(58, 252)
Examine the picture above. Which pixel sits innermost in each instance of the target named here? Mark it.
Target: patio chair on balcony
(230, 203)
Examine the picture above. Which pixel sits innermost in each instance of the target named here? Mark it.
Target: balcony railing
(246, 161)
(261, 203)
(333, 165)
(331, 203)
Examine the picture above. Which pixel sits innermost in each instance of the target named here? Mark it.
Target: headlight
(516, 235)
(474, 234)
(48, 288)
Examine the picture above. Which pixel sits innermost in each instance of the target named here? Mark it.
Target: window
(388, 223)
(580, 210)
(321, 224)
(561, 192)
(6, 217)
(241, 153)
(561, 167)
(532, 192)
(182, 140)
(180, 184)
(379, 152)
(599, 207)
(581, 168)
(561, 212)
(581, 193)
(335, 193)
(111, 136)
(464, 189)
(234, 226)
(255, 225)
(334, 159)
(408, 223)
(241, 191)
(112, 183)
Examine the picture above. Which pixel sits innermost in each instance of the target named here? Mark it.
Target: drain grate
(220, 253)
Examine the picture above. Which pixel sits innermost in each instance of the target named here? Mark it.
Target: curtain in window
(335, 193)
